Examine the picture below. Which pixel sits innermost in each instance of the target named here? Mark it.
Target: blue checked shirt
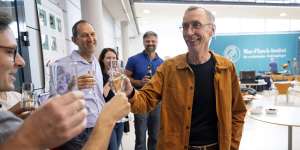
(94, 100)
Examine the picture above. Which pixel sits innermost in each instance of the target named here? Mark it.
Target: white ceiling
(158, 11)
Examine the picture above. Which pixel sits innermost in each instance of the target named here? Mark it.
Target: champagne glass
(116, 80)
(92, 72)
(63, 78)
(28, 101)
(90, 69)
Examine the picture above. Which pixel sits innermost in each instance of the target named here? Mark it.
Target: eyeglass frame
(196, 25)
(14, 53)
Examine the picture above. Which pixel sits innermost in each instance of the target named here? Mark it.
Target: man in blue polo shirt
(138, 70)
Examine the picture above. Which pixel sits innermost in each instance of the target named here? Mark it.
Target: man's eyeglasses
(12, 52)
(196, 25)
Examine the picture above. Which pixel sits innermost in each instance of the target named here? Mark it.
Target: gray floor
(256, 136)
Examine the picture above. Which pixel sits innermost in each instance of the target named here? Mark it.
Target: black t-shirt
(204, 117)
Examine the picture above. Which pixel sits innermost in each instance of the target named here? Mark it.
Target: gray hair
(149, 33)
(5, 20)
(75, 27)
(210, 16)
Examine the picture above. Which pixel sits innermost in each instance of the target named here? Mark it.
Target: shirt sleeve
(130, 64)
(9, 123)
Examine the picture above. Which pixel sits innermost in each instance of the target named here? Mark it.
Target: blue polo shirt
(138, 63)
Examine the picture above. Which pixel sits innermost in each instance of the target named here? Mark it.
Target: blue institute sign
(254, 51)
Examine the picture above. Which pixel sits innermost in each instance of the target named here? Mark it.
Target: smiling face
(150, 43)
(109, 56)
(197, 29)
(10, 60)
(86, 39)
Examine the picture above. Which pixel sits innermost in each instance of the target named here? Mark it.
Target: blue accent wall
(254, 51)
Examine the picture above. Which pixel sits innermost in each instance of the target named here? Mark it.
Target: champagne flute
(116, 77)
(28, 101)
(92, 72)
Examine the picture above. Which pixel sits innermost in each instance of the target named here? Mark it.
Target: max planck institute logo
(232, 52)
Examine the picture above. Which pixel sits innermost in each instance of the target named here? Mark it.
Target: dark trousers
(77, 142)
(116, 136)
(142, 122)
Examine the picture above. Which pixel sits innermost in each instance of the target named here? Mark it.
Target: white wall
(118, 39)
(72, 14)
(108, 29)
(34, 48)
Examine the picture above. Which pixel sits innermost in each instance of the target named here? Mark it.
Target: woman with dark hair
(107, 55)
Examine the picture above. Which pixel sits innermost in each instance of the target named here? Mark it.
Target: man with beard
(201, 103)
(139, 69)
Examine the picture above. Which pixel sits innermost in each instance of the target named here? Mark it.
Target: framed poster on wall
(45, 41)
(52, 21)
(51, 18)
(53, 44)
(42, 17)
(58, 21)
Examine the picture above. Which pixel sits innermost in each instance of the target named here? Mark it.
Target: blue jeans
(116, 136)
(142, 122)
(77, 142)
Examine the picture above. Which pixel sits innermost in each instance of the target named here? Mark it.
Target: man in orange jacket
(201, 102)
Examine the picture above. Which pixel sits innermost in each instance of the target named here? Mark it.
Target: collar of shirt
(221, 63)
(146, 55)
(75, 56)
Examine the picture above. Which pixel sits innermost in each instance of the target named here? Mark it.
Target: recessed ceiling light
(282, 14)
(146, 11)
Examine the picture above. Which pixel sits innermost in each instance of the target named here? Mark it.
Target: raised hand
(54, 123)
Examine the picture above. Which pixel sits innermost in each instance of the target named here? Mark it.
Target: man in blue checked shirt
(89, 78)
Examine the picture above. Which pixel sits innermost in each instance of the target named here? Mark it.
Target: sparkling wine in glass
(28, 101)
(116, 77)
(92, 72)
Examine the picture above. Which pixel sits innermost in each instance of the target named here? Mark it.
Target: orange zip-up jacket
(173, 86)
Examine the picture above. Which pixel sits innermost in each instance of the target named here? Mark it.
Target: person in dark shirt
(107, 55)
(201, 103)
(273, 66)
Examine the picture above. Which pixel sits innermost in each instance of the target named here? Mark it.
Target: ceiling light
(282, 14)
(146, 11)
